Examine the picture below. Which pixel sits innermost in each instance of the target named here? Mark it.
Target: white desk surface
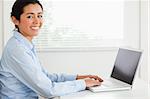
(139, 91)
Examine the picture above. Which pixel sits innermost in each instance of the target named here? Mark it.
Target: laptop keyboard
(107, 85)
(111, 84)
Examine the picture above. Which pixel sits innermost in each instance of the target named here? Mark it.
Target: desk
(139, 91)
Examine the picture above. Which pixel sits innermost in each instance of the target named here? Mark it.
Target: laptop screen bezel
(137, 68)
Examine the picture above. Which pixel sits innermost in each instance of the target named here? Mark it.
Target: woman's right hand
(92, 82)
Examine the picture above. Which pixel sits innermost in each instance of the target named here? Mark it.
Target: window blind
(81, 24)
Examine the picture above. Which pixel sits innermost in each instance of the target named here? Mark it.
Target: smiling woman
(21, 74)
(30, 21)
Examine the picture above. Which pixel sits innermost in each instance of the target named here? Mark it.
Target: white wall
(8, 26)
(144, 38)
(1, 27)
(88, 62)
(131, 22)
(149, 45)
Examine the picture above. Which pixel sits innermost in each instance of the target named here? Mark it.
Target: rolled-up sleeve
(28, 72)
(59, 77)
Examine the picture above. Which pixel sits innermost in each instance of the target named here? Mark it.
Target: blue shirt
(23, 77)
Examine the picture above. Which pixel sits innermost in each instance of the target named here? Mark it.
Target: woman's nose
(36, 20)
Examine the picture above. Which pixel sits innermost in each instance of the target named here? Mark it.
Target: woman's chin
(34, 34)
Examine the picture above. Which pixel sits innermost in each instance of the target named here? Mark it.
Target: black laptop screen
(125, 65)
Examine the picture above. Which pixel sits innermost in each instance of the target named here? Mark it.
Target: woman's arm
(59, 77)
(28, 72)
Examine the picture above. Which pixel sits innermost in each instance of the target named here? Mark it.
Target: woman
(21, 74)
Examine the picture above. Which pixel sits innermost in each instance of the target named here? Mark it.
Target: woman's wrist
(77, 77)
(81, 77)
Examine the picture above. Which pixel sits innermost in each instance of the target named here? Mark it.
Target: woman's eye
(40, 16)
(29, 17)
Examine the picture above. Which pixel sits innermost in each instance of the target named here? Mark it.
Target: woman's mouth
(35, 28)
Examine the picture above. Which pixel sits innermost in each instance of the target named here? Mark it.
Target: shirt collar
(23, 40)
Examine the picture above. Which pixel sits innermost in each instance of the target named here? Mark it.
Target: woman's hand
(90, 80)
(94, 77)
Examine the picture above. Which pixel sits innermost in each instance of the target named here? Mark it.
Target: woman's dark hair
(19, 5)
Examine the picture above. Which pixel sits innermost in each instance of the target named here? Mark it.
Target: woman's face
(30, 21)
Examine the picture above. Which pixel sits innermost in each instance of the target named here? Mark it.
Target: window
(77, 24)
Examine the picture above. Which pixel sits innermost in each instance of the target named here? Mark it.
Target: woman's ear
(14, 20)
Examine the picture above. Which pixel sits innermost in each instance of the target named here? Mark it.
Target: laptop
(123, 72)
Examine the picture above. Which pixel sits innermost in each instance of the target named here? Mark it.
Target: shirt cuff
(71, 77)
(81, 85)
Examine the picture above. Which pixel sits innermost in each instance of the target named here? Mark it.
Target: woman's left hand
(95, 77)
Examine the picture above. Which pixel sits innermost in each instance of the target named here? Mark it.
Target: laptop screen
(125, 65)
